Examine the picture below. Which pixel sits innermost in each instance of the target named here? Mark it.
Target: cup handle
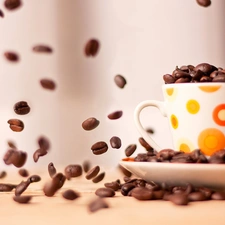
(158, 104)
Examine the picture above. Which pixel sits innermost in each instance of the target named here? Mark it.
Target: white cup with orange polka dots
(196, 114)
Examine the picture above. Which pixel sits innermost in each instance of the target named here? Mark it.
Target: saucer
(207, 175)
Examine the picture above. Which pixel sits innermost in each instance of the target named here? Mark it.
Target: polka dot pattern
(192, 106)
(174, 121)
(219, 114)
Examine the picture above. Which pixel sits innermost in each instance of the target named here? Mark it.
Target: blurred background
(141, 40)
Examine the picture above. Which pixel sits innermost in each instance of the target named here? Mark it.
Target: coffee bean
(12, 4)
(1, 13)
(92, 173)
(15, 157)
(21, 187)
(51, 169)
(42, 49)
(97, 204)
(219, 78)
(115, 115)
(204, 67)
(70, 194)
(204, 3)
(145, 144)
(105, 192)
(197, 196)
(21, 108)
(22, 199)
(206, 191)
(120, 81)
(44, 143)
(205, 79)
(86, 166)
(16, 125)
(38, 153)
(115, 142)
(3, 174)
(113, 185)
(178, 199)
(23, 173)
(125, 171)
(98, 178)
(11, 56)
(183, 80)
(48, 84)
(165, 154)
(34, 178)
(99, 148)
(218, 157)
(219, 195)
(73, 170)
(142, 193)
(181, 74)
(7, 187)
(126, 188)
(11, 144)
(92, 47)
(150, 130)
(130, 150)
(90, 123)
(168, 79)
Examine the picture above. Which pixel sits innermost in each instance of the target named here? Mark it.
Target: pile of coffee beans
(203, 72)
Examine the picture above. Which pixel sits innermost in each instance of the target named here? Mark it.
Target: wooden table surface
(123, 210)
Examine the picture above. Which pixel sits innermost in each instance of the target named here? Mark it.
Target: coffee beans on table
(142, 193)
(90, 123)
(92, 172)
(11, 56)
(204, 3)
(22, 199)
(70, 194)
(115, 115)
(92, 48)
(113, 185)
(12, 4)
(97, 204)
(99, 148)
(21, 108)
(6, 187)
(48, 84)
(21, 187)
(23, 173)
(51, 169)
(120, 81)
(98, 178)
(115, 142)
(105, 192)
(16, 125)
(42, 49)
(73, 170)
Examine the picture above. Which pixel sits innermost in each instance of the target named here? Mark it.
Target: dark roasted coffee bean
(99, 148)
(126, 188)
(178, 199)
(126, 172)
(218, 157)
(145, 144)
(197, 196)
(150, 130)
(11, 56)
(207, 192)
(166, 154)
(153, 187)
(127, 179)
(3, 174)
(34, 178)
(1, 13)
(141, 157)
(42, 49)
(184, 68)
(22, 199)
(182, 74)
(140, 183)
(51, 169)
(7, 187)
(183, 80)
(141, 193)
(23, 173)
(219, 78)
(158, 194)
(97, 204)
(204, 67)
(73, 170)
(90, 123)
(115, 115)
(44, 143)
(12, 4)
(92, 172)
(70, 194)
(16, 125)
(120, 81)
(214, 74)
(38, 153)
(178, 190)
(115, 142)
(168, 79)
(48, 84)
(21, 108)
(98, 178)
(218, 195)
(15, 157)
(113, 185)
(130, 150)
(20, 188)
(197, 75)
(105, 192)
(205, 79)
(86, 166)
(11, 144)
(92, 47)
(204, 3)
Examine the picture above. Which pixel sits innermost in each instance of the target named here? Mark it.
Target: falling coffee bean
(86, 166)
(115, 115)
(34, 178)
(16, 125)
(105, 192)
(21, 187)
(7, 187)
(21, 108)
(11, 144)
(120, 81)
(98, 178)
(11, 56)
(51, 169)
(70, 194)
(92, 47)
(130, 150)
(22, 199)
(44, 143)
(99, 148)
(1, 13)
(97, 204)
(90, 123)
(92, 172)
(73, 170)
(3, 174)
(12, 4)
(23, 173)
(42, 49)
(15, 157)
(115, 142)
(38, 153)
(204, 3)
(145, 144)
(48, 84)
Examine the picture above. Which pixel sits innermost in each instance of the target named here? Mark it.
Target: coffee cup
(196, 115)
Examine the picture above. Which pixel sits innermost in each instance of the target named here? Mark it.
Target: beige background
(142, 40)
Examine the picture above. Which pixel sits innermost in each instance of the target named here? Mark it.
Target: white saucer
(207, 175)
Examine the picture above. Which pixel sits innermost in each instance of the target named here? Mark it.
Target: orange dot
(184, 148)
(210, 88)
(174, 121)
(219, 115)
(169, 91)
(192, 106)
(211, 140)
